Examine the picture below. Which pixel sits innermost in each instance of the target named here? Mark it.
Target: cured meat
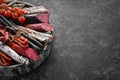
(40, 12)
(8, 51)
(17, 48)
(20, 45)
(4, 36)
(42, 27)
(13, 31)
(38, 35)
(5, 60)
(43, 17)
(35, 10)
(21, 41)
(32, 54)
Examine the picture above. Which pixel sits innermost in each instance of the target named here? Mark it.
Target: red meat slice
(42, 27)
(47, 27)
(32, 54)
(44, 17)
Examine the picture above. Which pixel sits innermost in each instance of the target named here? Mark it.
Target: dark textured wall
(87, 41)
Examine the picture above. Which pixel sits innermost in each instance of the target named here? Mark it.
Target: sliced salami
(32, 54)
(43, 17)
(42, 27)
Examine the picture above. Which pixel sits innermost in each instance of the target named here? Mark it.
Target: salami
(41, 27)
(38, 35)
(43, 17)
(36, 10)
(20, 45)
(32, 54)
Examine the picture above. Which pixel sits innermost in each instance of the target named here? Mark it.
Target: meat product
(6, 22)
(42, 27)
(21, 41)
(10, 52)
(20, 45)
(40, 14)
(32, 54)
(35, 10)
(43, 17)
(5, 60)
(38, 35)
(17, 48)
(4, 36)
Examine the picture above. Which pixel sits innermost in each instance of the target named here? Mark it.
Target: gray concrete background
(87, 41)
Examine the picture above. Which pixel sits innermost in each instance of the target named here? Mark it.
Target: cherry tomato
(8, 13)
(2, 11)
(22, 11)
(17, 9)
(21, 19)
(2, 1)
(15, 16)
(10, 8)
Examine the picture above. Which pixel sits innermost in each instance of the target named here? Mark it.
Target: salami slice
(42, 27)
(32, 54)
(43, 17)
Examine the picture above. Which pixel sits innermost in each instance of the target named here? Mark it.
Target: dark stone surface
(87, 41)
